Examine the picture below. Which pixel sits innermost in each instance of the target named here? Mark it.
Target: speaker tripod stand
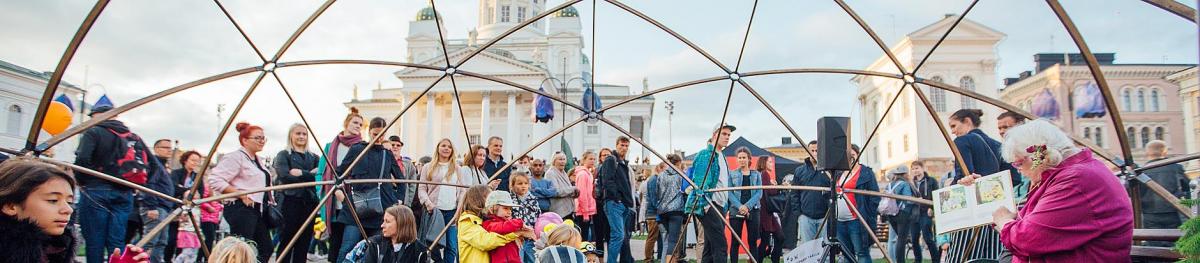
(831, 247)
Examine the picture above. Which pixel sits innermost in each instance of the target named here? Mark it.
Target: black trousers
(585, 226)
(172, 239)
(768, 245)
(923, 230)
(248, 222)
(715, 245)
(751, 233)
(295, 211)
(209, 231)
(335, 238)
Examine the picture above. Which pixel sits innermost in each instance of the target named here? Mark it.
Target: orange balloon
(58, 118)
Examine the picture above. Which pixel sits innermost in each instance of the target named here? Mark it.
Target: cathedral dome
(425, 14)
(567, 12)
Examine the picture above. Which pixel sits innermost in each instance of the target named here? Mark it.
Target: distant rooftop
(32, 73)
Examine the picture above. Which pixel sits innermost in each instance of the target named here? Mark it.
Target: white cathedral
(546, 54)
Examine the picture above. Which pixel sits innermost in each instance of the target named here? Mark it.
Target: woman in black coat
(296, 165)
(981, 154)
(396, 243)
(377, 163)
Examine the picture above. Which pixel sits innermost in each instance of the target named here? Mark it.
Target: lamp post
(670, 105)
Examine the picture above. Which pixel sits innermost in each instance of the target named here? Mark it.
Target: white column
(456, 129)
(404, 124)
(430, 115)
(511, 140)
(485, 118)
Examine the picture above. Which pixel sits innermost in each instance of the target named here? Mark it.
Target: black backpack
(131, 162)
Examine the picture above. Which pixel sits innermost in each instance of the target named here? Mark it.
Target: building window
(1131, 135)
(473, 139)
(904, 104)
(1127, 97)
(1159, 133)
(504, 14)
(1141, 100)
(1145, 136)
(967, 83)
(906, 143)
(1154, 100)
(937, 96)
(636, 126)
(593, 130)
(1099, 137)
(14, 119)
(889, 150)
(520, 14)
(1087, 132)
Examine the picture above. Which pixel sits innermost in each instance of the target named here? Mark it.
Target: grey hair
(1038, 132)
(289, 137)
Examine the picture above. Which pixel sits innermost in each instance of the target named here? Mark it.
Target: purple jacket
(1080, 213)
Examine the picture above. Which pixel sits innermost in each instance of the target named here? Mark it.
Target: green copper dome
(567, 12)
(425, 14)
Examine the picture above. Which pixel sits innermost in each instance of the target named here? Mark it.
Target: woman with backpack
(370, 199)
(244, 170)
(295, 165)
(898, 213)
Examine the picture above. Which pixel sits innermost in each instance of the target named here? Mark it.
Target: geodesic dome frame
(909, 77)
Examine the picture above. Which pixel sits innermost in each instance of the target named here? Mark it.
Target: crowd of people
(475, 206)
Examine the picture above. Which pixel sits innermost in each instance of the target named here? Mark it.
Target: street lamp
(670, 105)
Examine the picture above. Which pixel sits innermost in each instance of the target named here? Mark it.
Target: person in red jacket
(500, 221)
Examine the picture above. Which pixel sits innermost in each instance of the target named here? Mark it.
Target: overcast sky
(139, 47)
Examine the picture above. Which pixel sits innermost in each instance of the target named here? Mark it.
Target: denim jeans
(157, 245)
(103, 213)
(852, 234)
(809, 227)
(350, 238)
(617, 215)
(450, 253)
(673, 222)
(527, 252)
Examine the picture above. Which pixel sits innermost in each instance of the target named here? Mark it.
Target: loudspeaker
(833, 143)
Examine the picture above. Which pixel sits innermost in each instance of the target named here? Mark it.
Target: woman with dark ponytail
(981, 154)
(377, 163)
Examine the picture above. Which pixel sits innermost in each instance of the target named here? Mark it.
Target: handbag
(368, 203)
(431, 226)
(271, 211)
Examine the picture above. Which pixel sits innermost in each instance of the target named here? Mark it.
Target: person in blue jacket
(743, 205)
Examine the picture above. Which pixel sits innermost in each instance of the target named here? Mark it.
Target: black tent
(783, 166)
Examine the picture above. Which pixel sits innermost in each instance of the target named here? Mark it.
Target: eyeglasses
(1020, 162)
(258, 138)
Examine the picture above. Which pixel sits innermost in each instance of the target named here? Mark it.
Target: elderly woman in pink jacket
(1077, 211)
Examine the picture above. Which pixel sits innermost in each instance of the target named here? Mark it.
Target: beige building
(966, 59)
(1061, 86)
(1189, 96)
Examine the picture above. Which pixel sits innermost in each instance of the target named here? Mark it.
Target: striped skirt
(981, 242)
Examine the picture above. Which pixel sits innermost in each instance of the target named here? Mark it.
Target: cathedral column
(511, 124)
(485, 118)
(404, 121)
(456, 122)
(430, 115)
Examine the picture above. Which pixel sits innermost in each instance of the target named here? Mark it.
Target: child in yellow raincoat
(473, 241)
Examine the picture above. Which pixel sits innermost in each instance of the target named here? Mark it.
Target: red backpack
(131, 158)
